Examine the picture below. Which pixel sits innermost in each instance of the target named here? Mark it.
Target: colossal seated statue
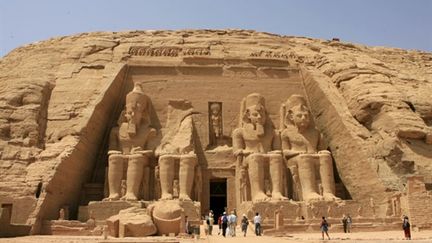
(177, 151)
(304, 149)
(257, 143)
(129, 143)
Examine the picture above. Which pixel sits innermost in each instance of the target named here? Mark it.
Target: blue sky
(396, 23)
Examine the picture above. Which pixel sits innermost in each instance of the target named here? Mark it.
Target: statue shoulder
(238, 132)
(288, 132)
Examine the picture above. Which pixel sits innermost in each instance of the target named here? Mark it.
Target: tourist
(349, 223)
(220, 224)
(257, 222)
(345, 223)
(324, 228)
(210, 221)
(232, 223)
(224, 223)
(186, 225)
(407, 228)
(244, 224)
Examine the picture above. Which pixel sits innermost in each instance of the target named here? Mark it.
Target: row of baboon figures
(263, 153)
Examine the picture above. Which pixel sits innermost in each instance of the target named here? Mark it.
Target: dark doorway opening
(218, 197)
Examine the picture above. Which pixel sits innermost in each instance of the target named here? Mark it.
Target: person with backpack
(224, 223)
(324, 228)
(407, 228)
(244, 224)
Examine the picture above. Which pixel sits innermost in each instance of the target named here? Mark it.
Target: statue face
(215, 109)
(256, 114)
(299, 115)
(134, 115)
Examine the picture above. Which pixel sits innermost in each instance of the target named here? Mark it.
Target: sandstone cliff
(58, 98)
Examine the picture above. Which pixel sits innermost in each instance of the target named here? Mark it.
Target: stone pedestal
(101, 210)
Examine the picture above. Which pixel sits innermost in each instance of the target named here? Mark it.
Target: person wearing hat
(232, 223)
(244, 224)
(224, 223)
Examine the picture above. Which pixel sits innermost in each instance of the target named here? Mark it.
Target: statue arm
(322, 145)
(113, 140)
(276, 142)
(238, 142)
(286, 146)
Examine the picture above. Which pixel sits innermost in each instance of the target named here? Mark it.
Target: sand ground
(373, 237)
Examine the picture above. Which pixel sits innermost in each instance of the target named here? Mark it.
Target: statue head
(136, 109)
(253, 112)
(215, 109)
(253, 109)
(296, 112)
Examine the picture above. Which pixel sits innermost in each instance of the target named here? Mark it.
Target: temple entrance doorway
(218, 196)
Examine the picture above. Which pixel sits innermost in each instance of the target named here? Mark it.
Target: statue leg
(306, 169)
(186, 176)
(166, 174)
(134, 175)
(115, 175)
(276, 170)
(327, 177)
(256, 177)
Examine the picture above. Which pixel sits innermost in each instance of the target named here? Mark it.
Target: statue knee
(115, 159)
(138, 159)
(188, 159)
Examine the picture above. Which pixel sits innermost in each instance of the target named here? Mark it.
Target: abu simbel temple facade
(132, 132)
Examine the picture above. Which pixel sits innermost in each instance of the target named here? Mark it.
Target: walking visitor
(257, 222)
(244, 224)
(324, 228)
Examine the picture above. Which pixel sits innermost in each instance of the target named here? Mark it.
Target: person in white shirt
(257, 222)
(232, 224)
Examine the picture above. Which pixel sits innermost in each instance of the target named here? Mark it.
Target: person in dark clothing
(224, 223)
(324, 228)
(345, 223)
(407, 228)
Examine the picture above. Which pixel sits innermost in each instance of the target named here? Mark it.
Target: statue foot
(129, 197)
(329, 197)
(278, 196)
(312, 196)
(184, 197)
(113, 197)
(166, 196)
(260, 197)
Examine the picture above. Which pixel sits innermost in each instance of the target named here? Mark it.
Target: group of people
(228, 223)
(347, 222)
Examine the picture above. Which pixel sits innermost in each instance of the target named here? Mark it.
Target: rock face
(60, 98)
(131, 222)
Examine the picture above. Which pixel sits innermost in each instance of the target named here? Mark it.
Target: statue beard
(256, 129)
(131, 128)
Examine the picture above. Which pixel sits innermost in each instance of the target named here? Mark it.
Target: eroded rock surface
(58, 98)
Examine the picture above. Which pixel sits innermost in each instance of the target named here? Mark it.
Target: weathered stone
(60, 98)
(131, 222)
